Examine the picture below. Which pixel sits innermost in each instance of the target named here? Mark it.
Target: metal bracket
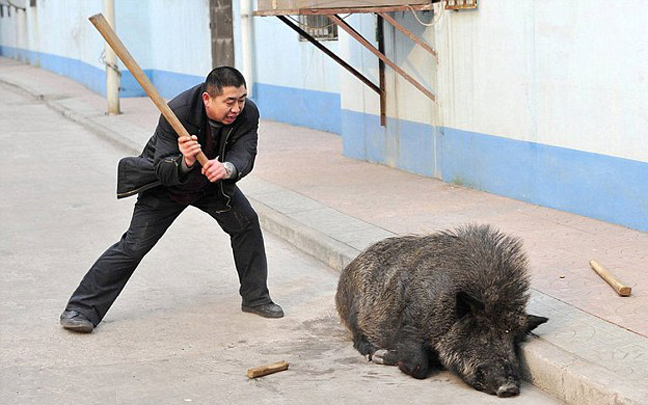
(330, 53)
(381, 14)
(342, 24)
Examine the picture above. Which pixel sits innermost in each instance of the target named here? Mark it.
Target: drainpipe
(112, 72)
(246, 43)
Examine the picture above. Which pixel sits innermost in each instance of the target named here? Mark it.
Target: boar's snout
(497, 379)
(509, 389)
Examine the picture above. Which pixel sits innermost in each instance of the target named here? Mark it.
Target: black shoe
(74, 321)
(269, 310)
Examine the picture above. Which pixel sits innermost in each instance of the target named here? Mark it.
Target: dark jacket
(158, 164)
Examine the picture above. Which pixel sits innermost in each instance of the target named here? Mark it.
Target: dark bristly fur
(455, 298)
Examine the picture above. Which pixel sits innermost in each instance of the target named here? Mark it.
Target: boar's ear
(534, 321)
(467, 304)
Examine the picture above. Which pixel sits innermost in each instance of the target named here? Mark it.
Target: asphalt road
(176, 335)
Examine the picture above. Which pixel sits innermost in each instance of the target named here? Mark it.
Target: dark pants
(154, 212)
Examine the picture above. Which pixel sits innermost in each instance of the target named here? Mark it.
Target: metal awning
(381, 13)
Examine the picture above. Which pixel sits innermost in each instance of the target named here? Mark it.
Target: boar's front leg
(413, 358)
(410, 355)
(361, 343)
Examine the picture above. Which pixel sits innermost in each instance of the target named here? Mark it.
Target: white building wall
(283, 60)
(69, 34)
(170, 40)
(563, 74)
(180, 39)
(567, 74)
(356, 96)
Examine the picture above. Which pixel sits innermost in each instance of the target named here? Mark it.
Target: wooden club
(116, 44)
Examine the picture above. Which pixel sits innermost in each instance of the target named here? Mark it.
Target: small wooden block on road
(267, 369)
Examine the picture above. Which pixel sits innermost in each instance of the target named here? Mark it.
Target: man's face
(225, 107)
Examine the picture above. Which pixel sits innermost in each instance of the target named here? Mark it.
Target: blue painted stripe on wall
(363, 137)
(594, 185)
(307, 108)
(171, 84)
(84, 73)
(8, 52)
(168, 84)
(404, 144)
(22, 55)
(598, 186)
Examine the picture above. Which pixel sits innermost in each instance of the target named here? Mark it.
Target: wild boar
(454, 299)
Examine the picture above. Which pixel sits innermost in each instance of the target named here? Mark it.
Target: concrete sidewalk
(594, 348)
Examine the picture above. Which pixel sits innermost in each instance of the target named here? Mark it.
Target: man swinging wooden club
(167, 180)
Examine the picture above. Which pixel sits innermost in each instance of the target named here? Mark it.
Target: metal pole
(112, 72)
(381, 71)
(246, 44)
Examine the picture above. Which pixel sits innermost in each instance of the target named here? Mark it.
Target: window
(319, 27)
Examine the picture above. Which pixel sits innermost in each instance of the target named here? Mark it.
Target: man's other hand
(189, 147)
(214, 171)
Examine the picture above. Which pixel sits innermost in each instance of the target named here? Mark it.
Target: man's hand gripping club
(190, 148)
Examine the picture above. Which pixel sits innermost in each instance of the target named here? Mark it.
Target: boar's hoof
(379, 356)
(384, 356)
(508, 390)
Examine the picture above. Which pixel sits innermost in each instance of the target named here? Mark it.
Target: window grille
(319, 27)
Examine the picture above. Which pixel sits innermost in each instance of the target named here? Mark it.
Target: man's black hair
(223, 76)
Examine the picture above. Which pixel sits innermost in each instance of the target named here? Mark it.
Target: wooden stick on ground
(267, 369)
(618, 286)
